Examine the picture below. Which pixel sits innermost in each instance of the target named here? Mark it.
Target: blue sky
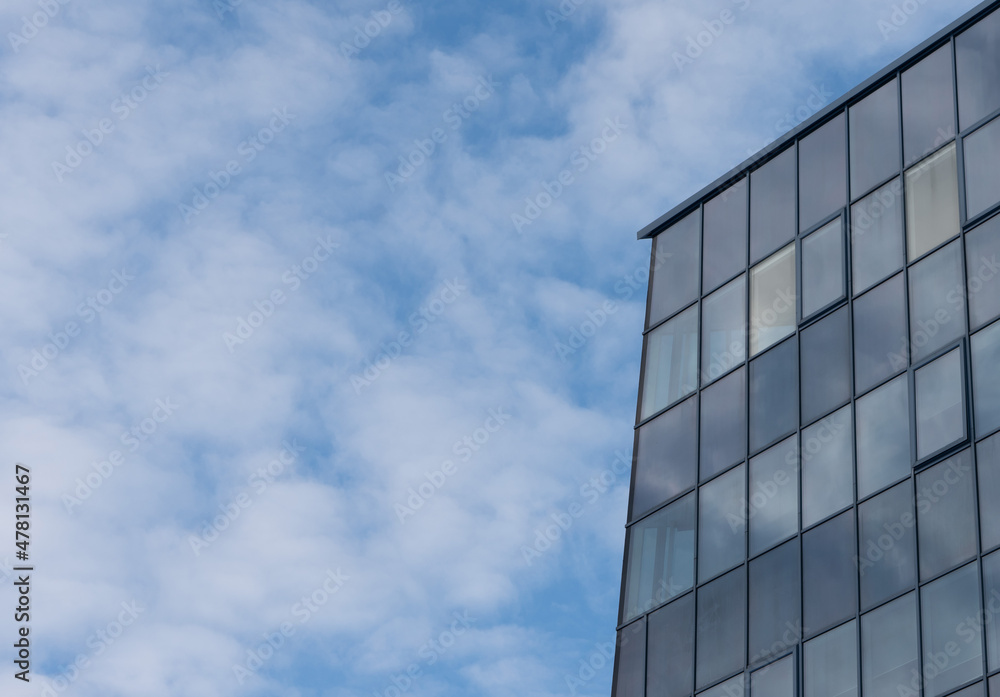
(319, 317)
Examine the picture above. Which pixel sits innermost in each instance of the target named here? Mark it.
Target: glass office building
(815, 504)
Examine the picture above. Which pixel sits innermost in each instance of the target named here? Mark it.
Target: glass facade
(815, 504)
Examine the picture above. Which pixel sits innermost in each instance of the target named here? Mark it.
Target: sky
(322, 322)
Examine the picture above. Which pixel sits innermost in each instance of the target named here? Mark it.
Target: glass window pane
(826, 365)
(723, 330)
(928, 105)
(937, 304)
(985, 386)
(940, 396)
(887, 544)
(676, 261)
(889, 648)
(774, 601)
(982, 168)
(731, 688)
(773, 506)
(978, 55)
(823, 268)
(971, 691)
(772, 205)
(995, 686)
(725, 245)
(883, 425)
(775, 680)
(988, 465)
(667, 458)
(722, 524)
(877, 235)
(874, 138)
(991, 610)
(829, 574)
(946, 515)
(822, 172)
(721, 633)
(880, 334)
(932, 202)
(831, 663)
(723, 424)
(670, 650)
(671, 362)
(948, 608)
(772, 300)
(774, 392)
(631, 660)
(827, 456)
(982, 246)
(661, 557)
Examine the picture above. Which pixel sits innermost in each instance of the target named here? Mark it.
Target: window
(826, 365)
(731, 688)
(725, 244)
(827, 456)
(937, 305)
(982, 168)
(661, 557)
(721, 631)
(829, 574)
(670, 644)
(948, 607)
(883, 430)
(773, 505)
(722, 524)
(723, 330)
(985, 387)
(940, 398)
(991, 592)
(874, 126)
(982, 248)
(774, 391)
(889, 648)
(671, 362)
(831, 663)
(978, 57)
(774, 601)
(946, 515)
(880, 335)
(631, 660)
(887, 545)
(723, 424)
(988, 465)
(676, 260)
(666, 463)
(928, 105)
(775, 680)
(822, 172)
(772, 205)
(823, 271)
(931, 202)
(877, 235)
(772, 300)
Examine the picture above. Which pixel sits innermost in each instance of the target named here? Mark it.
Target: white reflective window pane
(827, 456)
(823, 268)
(772, 300)
(773, 506)
(775, 680)
(940, 394)
(883, 425)
(723, 330)
(671, 362)
(831, 663)
(676, 260)
(889, 648)
(932, 202)
(877, 235)
(722, 524)
(946, 606)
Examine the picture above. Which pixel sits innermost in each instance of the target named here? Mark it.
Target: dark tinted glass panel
(773, 506)
(722, 524)
(823, 275)
(723, 424)
(988, 465)
(948, 608)
(772, 300)
(676, 261)
(877, 235)
(937, 305)
(826, 365)
(874, 139)
(991, 611)
(829, 574)
(883, 426)
(940, 398)
(723, 330)
(822, 172)
(725, 248)
(995, 686)
(879, 334)
(887, 545)
(671, 362)
(946, 515)
(928, 105)
(670, 650)
(772, 205)
(827, 456)
(667, 459)
(889, 648)
(660, 557)
(982, 168)
(775, 680)
(986, 387)
(976, 690)
(731, 688)
(978, 55)
(982, 248)
(831, 663)
(774, 601)
(721, 627)
(631, 660)
(774, 391)
(931, 202)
